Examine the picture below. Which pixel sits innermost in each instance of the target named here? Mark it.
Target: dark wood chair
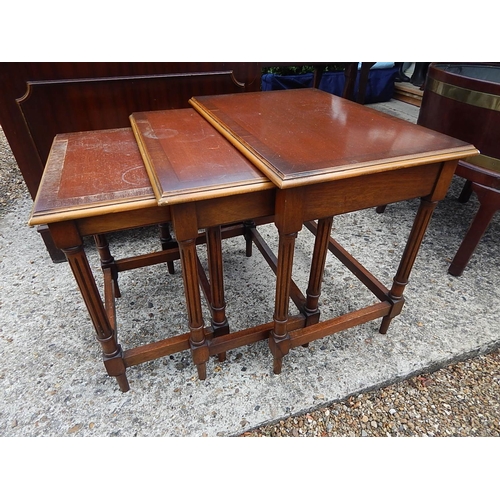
(40, 100)
(462, 100)
(484, 181)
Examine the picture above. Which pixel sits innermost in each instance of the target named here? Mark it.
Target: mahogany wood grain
(323, 230)
(306, 136)
(67, 238)
(456, 102)
(329, 156)
(95, 182)
(348, 183)
(36, 97)
(188, 160)
(217, 302)
(186, 231)
(71, 187)
(463, 101)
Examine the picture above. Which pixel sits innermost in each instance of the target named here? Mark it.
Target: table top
(188, 160)
(90, 173)
(305, 136)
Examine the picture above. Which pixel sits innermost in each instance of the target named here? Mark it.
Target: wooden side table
(330, 156)
(207, 184)
(95, 183)
(324, 156)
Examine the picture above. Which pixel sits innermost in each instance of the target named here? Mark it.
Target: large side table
(329, 156)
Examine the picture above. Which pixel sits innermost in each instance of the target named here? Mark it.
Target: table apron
(120, 221)
(358, 193)
(236, 208)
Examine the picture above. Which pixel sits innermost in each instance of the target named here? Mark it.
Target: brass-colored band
(467, 96)
(484, 161)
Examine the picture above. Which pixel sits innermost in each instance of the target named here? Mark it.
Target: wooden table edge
(343, 171)
(65, 214)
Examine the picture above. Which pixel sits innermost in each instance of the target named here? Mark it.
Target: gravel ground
(460, 400)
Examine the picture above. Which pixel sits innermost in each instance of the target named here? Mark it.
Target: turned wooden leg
(107, 260)
(279, 340)
(66, 237)
(288, 220)
(466, 192)
(215, 269)
(400, 281)
(489, 204)
(248, 225)
(167, 242)
(197, 341)
(320, 252)
(186, 230)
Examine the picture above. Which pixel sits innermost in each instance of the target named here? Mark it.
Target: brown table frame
(322, 201)
(315, 189)
(222, 217)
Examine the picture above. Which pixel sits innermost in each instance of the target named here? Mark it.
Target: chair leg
(55, 253)
(489, 203)
(466, 192)
(167, 242)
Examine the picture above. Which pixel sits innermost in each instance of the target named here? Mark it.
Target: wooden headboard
(40, 100)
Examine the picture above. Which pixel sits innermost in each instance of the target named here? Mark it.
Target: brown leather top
(188, 160)
(88, 173)
(305, 136)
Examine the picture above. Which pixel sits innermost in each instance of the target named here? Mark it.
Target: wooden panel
(306, 135)
(119, 221)
(463, 100)
(108, 102)
(40, 100)
(188, 160)
(231, 209)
